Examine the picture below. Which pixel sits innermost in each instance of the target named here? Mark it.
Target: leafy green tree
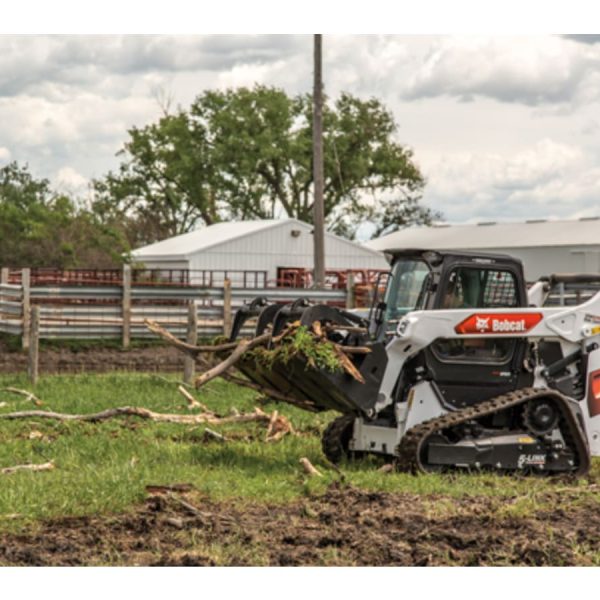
(163, 186)
(39, 228)
(247, 154)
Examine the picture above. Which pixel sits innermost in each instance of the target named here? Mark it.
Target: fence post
(350, 291)
(126, 332)
(226, 307)
(34, 344)
(192, 338)
(26, 302)
(3, 279)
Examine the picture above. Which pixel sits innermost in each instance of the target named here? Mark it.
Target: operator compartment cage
(570, 289)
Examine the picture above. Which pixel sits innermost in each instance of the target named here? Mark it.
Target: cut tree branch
(242, 347)
(28, 395)
(143, 413)
(184, 346)
(29, 467)
(192, 402)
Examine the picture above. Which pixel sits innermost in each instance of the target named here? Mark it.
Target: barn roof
(184, 245)
(534, 233)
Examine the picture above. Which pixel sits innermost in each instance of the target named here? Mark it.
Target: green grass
(104, 467)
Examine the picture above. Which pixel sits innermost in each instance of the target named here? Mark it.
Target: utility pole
(318, 209)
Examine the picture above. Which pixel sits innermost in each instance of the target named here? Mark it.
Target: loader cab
(465, 371)
(430, 280)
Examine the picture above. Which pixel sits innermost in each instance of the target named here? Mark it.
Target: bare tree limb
(241, 348)
(192, 402)
(143, 413)
(348, 365)
(353, 349)
(309, 469)
(184, 346)
(28, 395)
(48, 466)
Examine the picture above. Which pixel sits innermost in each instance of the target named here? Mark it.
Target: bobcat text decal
(502, 323)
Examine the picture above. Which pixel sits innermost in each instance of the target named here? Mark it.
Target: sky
(503, 127)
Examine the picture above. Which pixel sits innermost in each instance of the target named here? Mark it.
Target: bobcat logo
(482, 324)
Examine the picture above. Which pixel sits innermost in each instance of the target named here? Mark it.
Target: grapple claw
(246, 312)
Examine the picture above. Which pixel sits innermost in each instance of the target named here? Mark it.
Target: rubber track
(409, 450)
(331, 442)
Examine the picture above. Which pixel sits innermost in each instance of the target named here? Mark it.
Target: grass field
(103, 468)
(106, 466)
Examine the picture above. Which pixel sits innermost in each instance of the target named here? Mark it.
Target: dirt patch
(343, 527)
(95, 360)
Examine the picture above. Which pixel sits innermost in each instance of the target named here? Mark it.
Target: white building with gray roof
(264, 247)
(545, 247)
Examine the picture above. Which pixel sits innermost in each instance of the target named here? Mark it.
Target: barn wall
(276, 247)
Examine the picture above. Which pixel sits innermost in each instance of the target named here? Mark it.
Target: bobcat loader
(467, 370)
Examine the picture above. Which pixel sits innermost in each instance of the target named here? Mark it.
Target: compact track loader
(466, 369)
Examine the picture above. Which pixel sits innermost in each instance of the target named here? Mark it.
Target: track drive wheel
(336, 438)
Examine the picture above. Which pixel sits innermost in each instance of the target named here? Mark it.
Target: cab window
(475, 287)
(469, 287)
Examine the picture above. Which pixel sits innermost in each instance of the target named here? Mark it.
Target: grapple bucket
(316, 389)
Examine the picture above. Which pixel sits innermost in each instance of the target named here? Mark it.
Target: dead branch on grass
(309, 468)
(192, 402)
(28, 395)
(278, 427)
(143, 413)
(48, 466)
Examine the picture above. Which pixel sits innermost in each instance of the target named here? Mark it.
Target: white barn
(264, 247)
(545, 247)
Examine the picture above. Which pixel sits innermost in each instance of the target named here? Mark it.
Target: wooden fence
(119, 311)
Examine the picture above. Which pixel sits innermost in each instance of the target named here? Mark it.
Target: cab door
(468, 371)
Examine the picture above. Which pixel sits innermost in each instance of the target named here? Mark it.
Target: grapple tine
(247, 312)
(287, 313)
(266, 317)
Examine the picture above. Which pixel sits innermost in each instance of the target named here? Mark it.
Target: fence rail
(87, 311)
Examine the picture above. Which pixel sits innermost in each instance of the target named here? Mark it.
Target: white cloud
(498, 124)
(529, 70)
(68, 180)
(547, 179)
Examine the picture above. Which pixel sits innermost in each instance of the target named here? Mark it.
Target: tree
(163, 187)
(39, 228)
(247, 154)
